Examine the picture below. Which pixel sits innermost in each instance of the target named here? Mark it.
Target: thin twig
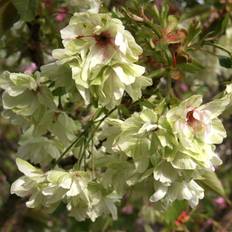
(82, 134)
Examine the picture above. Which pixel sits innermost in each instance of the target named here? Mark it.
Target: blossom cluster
(29, 103)
(177, 146)
(170, 148)
(101, 56)
(46, 190)
(96, 64)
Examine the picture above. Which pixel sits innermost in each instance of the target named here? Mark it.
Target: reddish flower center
(196, 124)
(103, 39)
(190, 118)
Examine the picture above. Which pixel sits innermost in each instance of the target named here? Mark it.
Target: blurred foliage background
(29, 31)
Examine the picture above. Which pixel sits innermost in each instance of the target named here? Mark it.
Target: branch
(34, 48)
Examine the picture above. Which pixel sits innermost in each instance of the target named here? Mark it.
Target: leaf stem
(86, 141)
(69, 147)
(220, 47)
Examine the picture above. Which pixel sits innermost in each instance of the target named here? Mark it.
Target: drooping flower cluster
(98, 64)
(197, 127)
(151, 142)
(101, 55)
(84, 199)
(29, 103)
(176, 146)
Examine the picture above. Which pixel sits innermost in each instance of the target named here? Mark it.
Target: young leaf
(8, 15)
(27, 9)
(211, 180)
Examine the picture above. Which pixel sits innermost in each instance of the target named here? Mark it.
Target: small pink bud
(183, 87)
(128, 209)
(207, 225)
(61, 14)
(209, 222)
(220, 202)
(29, 69)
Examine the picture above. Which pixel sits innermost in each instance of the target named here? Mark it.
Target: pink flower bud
(29, 69)
(220, 202)
(61, 14)
(184, 88)
(128, 209)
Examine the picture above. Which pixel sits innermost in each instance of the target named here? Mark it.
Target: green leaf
(158, 73)
(196, 11)
(211, 180)
(219, 27)
(225, 61)
(27, 9)
(146, 103)
(8, 15)
(60, 91)
(190, 67)
(194, 31)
